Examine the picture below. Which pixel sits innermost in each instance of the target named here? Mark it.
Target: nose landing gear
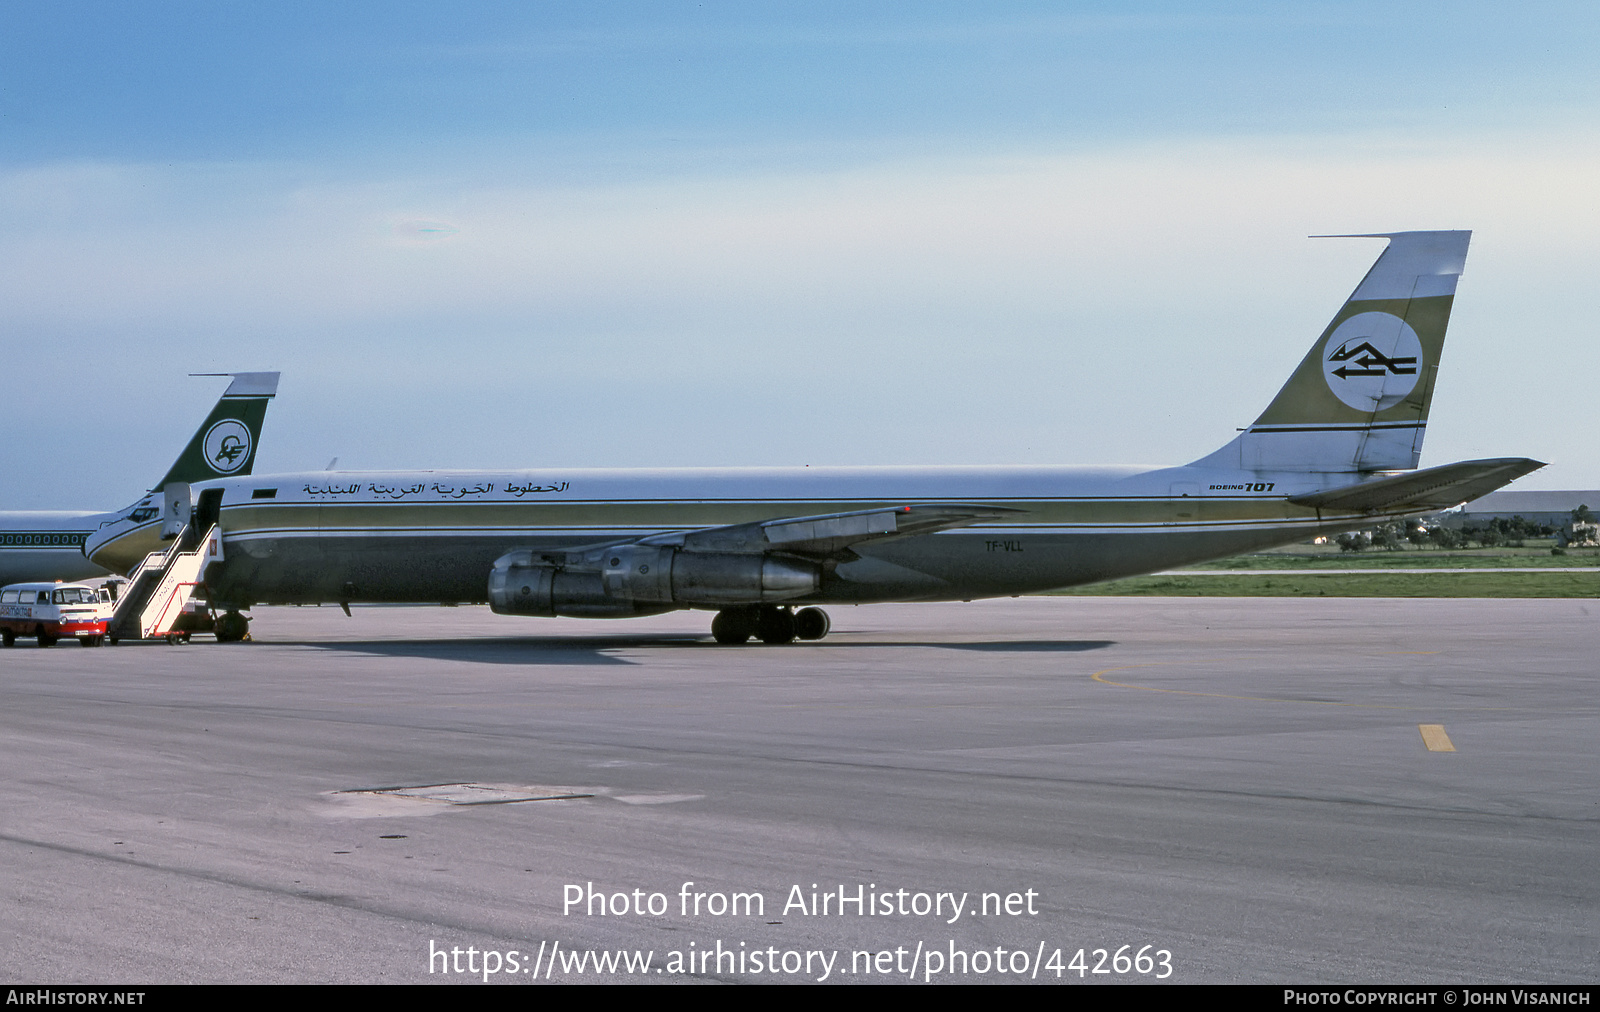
(232, 627)
(769, 623)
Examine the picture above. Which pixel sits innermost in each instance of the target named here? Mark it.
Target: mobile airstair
(163, 584)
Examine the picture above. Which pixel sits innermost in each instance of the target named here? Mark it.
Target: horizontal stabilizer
(830, 533)
(247, 384)
(1433, 488)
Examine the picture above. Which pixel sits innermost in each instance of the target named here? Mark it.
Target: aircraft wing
(1432, 488)
(829, 534)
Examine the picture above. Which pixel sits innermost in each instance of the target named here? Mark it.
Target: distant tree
(1353, 541)
(1445, 538)
(1387, 537)
(1581, 515)
(1511, 530)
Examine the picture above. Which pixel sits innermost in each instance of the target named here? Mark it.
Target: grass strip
(1310, 584)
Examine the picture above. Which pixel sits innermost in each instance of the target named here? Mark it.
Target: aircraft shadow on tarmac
(592, 649)
(518, 650)
(1031, 646)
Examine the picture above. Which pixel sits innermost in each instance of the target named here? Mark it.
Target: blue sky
(679, 233)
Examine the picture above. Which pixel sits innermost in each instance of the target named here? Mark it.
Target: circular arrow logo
(227, 446)
(1372, 361)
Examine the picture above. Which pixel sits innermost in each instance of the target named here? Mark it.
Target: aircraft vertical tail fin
(1358, 402)
(225, 445)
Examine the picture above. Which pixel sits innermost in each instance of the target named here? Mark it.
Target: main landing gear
(769, 623)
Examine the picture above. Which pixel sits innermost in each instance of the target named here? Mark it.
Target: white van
(49, 611)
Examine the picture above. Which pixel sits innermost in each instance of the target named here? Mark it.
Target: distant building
(1580, 535)
(1553, 509)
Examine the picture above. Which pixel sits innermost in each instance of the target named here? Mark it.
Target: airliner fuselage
(1336, 449)
(433, 536)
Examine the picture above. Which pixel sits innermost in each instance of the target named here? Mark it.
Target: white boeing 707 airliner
(1336, 449)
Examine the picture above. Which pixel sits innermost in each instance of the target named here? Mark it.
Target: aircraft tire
(775, 626)
(731, 626)
(811, 623)
(232, 627)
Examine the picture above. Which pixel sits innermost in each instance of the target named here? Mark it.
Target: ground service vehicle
(51, 611)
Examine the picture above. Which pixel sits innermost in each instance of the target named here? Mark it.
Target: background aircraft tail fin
(1359, 400)
(225, 445)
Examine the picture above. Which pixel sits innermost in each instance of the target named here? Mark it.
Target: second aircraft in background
(47, 545)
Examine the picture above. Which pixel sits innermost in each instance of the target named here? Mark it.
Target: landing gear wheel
(775, 626)
(232, 628)
(733, 625)
(811, 623)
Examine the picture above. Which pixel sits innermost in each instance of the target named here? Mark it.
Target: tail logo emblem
(227, 446)
(1372, 361)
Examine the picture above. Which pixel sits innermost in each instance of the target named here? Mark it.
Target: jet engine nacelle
(664, 574)
(627, 580)
(518, 585)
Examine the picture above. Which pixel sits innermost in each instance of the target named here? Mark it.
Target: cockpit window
(144, 513)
